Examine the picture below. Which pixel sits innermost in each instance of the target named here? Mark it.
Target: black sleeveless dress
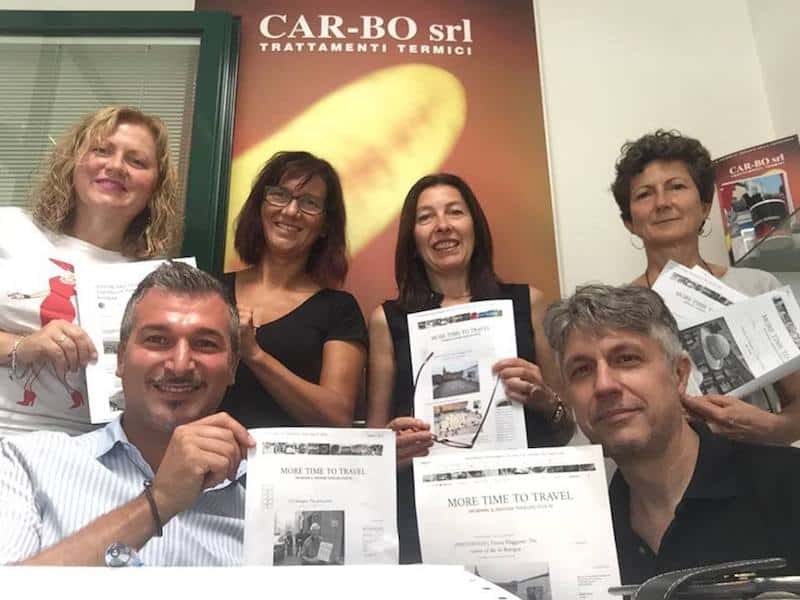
(539, 432)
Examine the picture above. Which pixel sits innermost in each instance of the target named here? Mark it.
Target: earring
(632, 237)
(703, 232)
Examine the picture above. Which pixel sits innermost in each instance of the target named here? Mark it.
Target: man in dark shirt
(682, 496)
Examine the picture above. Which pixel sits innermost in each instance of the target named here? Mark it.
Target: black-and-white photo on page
(716, 356)
(455, 375)
(527, 581)
(309, 537)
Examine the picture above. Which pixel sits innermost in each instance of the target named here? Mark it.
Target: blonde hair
(154, 231)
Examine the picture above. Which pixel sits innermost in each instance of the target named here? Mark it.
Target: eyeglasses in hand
(447, 441)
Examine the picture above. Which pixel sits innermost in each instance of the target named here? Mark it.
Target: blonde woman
(107, 194)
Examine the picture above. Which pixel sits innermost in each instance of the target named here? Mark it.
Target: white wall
(775, 27)
(615, 69)
(775, 32)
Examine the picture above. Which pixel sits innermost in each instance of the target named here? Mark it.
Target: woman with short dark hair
(303, 343)
(664, 188)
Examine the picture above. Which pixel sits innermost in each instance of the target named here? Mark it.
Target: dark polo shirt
(743, 501)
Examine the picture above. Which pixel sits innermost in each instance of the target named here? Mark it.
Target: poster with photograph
(102, 295)
(535, 522)
(756, 188)
(453, 350)
(321, 496)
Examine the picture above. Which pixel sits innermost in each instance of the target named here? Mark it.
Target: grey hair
(180, 278)
(597, 308)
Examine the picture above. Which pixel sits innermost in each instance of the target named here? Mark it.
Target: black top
(538, 430)
(741, 503)
(296, 339)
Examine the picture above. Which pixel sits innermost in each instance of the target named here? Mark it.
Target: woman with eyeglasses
(444, 258)
(303, 346)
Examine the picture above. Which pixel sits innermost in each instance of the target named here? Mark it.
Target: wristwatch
(122, 555)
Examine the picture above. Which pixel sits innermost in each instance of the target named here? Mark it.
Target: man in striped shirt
(170, 462)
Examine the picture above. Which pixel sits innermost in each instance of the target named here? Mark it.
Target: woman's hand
(412, 438)
(248, 346)
(64, 345)
(732, 417)
(523, 382)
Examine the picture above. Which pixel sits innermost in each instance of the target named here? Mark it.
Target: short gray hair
(180, 278)
(598, 308)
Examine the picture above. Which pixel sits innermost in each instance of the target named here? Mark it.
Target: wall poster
(389, 93)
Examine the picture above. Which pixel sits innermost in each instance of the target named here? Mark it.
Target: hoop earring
(632, 237)
(703, 232)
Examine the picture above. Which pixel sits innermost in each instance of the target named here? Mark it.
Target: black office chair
(740, 580)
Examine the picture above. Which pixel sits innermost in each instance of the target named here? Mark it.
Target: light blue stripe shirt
(52, 484)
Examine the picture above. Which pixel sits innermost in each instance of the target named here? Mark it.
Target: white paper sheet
(535, 522)
(342, 480)
(745, 346)
(693, 293)
(357, 582)
(452, 353)
(102, 293)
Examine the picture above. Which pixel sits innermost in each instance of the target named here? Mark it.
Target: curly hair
(327, 261)
(155, 230)
(661, 145)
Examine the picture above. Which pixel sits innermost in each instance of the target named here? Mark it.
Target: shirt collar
(104, 440)
(712, 478)
(101, 441)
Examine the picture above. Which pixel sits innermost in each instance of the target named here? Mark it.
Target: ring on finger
(61, 339)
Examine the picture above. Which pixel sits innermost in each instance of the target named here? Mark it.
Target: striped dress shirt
(51, 485)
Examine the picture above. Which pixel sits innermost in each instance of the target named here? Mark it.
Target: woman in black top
(303, 344)
(443, 258)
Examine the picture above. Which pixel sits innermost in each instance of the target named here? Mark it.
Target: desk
(389, 582)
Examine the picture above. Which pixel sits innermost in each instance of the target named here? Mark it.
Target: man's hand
(412, 437)
(200, 455)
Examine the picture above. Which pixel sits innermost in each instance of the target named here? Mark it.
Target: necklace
(702, 262)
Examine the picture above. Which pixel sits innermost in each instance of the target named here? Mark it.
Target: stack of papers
(737, 344)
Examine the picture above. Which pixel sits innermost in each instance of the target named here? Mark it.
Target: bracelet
(148, 493)
(559, 412)
(12, 371)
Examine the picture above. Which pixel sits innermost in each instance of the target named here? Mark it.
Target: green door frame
(212, 126)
